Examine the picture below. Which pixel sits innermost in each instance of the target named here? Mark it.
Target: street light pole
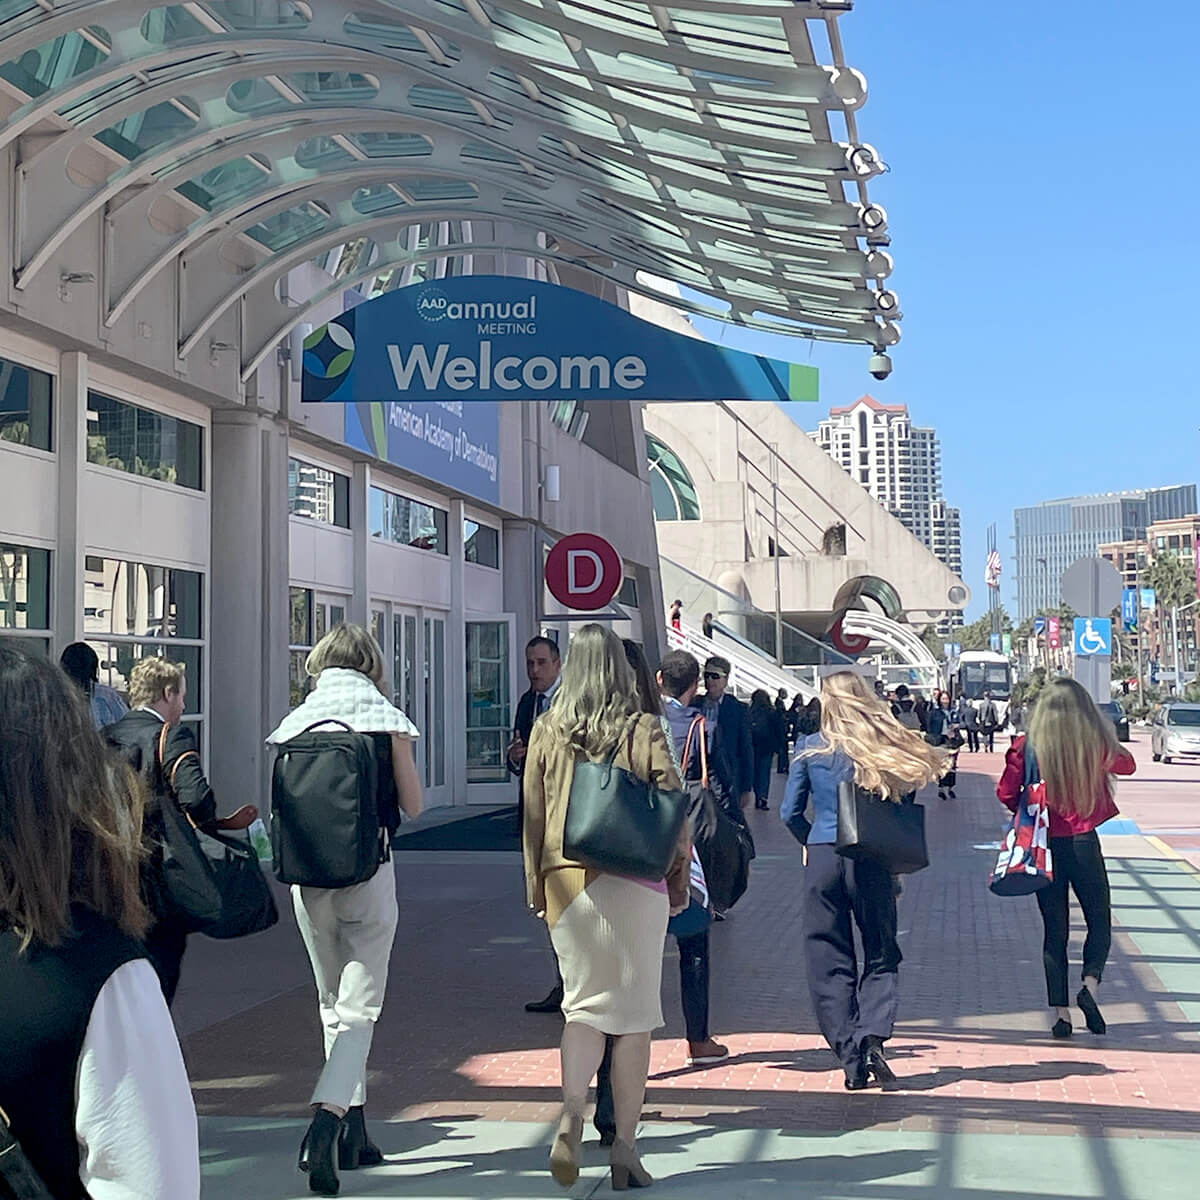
(775, 523)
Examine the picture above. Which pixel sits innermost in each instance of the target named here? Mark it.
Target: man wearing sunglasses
(728, 736)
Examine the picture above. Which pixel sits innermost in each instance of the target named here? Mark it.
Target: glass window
(124, 437)
(26, 399)
(671, 487)
(433, 743)
(24, 587)
(489, 710)
(310, 618)
(408, 522)
(130, 599)
(117, 660)
(481, 544)
(318, 494)
(628, 595)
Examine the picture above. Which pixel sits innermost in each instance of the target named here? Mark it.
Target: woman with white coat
(348, 931)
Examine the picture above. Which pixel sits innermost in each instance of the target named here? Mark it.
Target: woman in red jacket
(1077, 754)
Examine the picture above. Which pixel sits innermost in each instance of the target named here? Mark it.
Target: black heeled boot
(355, 1148)
(317, 1153)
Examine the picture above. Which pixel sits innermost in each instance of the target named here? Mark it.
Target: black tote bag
(622, 824)
(247, 905)
(871, 829)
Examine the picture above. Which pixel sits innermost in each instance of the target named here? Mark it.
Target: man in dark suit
(543, 665)
(729, 735)
(163, 752)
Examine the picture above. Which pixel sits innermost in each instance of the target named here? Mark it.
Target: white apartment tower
(900, 465)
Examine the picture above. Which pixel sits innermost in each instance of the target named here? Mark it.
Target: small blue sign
(957, 649)
(1129, 609)
(1093, 636)
(1149, 599)
(1039, 626)
(994, 641)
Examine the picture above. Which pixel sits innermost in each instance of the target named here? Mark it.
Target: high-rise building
(1050, 536)
(900, 465)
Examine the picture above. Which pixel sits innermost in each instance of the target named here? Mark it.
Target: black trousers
(973, 740)
(693, 986)
(165, 944)
(850, 1007)
(989, 738)
(1077, 861)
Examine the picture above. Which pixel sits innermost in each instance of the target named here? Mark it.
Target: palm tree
(1174, 586)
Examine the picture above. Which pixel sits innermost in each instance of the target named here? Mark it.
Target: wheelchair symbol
(1091, 642)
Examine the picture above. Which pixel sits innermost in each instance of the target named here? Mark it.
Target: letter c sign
(584, 572)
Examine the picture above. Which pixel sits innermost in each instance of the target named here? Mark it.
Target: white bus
(979, 671)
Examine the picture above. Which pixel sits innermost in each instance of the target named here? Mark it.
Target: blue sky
(1042, 203)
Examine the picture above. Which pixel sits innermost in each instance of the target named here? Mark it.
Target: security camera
(880, 365)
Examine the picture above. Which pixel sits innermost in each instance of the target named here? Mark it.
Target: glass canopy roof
(711, 143)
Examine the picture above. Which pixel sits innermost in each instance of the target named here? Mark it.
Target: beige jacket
(552, 880)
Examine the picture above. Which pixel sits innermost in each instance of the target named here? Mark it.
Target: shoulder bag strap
(700, 723)
(161, 764)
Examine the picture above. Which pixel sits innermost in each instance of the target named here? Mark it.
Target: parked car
(1120, 721)
(1176, 732)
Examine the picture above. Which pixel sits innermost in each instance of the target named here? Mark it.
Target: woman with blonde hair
(607, 931)
(861, 741)
(1072, 746)
(348, 931)
(91, 1076)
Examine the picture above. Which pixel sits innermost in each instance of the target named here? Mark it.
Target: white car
(1176, 732)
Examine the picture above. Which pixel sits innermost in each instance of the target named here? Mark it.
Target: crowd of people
(92, 1080)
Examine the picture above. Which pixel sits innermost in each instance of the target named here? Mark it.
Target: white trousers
(348, 933)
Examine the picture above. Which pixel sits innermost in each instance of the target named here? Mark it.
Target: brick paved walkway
(972, 1045)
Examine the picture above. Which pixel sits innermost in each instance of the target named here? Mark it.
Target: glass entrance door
(418, 654)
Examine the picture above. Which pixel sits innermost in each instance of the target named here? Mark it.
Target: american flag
(994, 567)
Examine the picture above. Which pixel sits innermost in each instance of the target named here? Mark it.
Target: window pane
(298, 681)
(481, 544)
(24, 588)
(25, 404)
(124, 437)
(300, 624)
(408, 522)
(318, 494)
(141, 599)
(489, 716)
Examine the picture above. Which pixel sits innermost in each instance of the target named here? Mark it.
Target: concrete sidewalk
(464, 1082)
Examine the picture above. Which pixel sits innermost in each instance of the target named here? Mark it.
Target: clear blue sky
(1043, 201)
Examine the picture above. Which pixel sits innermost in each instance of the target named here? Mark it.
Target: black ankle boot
(876, 1062)
(317, 1153)
(355, 1148)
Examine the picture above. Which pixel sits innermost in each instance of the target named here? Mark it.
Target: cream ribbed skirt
(609, 943)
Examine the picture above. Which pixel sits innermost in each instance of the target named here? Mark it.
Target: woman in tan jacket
(607, 930)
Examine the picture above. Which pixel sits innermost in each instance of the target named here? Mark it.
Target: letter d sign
(584, 572)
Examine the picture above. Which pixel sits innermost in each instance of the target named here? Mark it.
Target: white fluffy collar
(348, 696)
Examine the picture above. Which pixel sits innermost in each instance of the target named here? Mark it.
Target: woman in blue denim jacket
(859, 741)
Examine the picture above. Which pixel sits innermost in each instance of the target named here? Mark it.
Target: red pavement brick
(971, 1045)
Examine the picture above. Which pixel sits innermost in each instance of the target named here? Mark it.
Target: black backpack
(326, 827)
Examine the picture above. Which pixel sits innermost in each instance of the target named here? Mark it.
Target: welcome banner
(491, 337)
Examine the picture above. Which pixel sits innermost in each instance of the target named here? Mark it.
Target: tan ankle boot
(627, 1169)
(564, 1154)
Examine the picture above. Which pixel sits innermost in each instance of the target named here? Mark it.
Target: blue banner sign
(1039, 625)
(478, 338)
(1149, 599)
(1129, 609)
(1093, 636)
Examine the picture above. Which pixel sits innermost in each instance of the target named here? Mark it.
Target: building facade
(900, 465)
(748, 506)
(1050, 536)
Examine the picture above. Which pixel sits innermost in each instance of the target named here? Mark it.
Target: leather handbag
(872, 829)
(620, 823)
(723, 844)
(18, 1178)
(1025, 865)
(209, 883)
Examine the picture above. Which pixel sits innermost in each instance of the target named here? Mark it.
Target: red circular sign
(584, 572)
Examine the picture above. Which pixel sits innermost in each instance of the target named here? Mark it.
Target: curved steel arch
(700, 119)
(900, 638)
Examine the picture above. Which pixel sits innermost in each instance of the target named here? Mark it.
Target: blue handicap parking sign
(1093, 636)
